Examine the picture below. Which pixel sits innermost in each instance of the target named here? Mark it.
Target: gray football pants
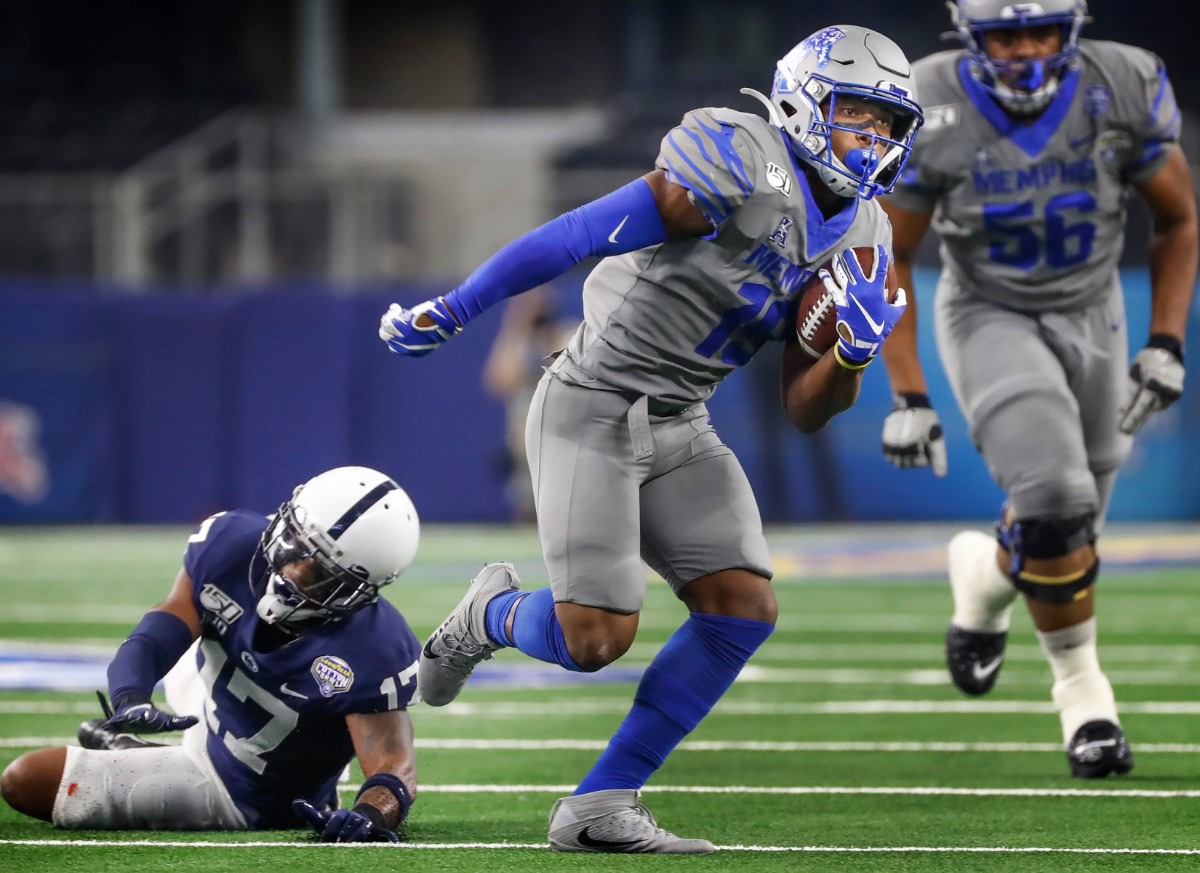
(615, 485)
(1042, 393)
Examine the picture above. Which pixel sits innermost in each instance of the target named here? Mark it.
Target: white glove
(1155, 382)
(912, 434)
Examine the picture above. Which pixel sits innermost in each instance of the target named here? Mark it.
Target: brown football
(816, 316)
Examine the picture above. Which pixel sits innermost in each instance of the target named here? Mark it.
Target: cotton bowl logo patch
(333, 675)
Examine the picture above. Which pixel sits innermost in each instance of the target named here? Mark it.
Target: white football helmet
(361, 531)
(850, 60)
(1037, 81)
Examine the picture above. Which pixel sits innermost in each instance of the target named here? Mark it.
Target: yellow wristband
(849, 365)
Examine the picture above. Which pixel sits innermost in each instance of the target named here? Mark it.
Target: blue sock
(682, 684)
(535, 630)
(496, 615)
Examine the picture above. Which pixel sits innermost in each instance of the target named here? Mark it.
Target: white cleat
(461, 642)
(614, 821)
(983, 599)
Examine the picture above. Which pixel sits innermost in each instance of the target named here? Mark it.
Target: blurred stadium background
(204, 207)
(206, 204)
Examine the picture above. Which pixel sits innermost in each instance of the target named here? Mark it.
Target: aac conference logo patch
(333, 675)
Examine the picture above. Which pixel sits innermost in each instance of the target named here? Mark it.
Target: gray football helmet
(1036, 82)
(845, 60)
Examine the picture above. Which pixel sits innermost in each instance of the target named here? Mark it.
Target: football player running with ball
(1033, 138)
(703, 261)
(300, 667)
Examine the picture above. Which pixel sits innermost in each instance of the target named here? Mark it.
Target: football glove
(342, 825)
(864, 316)
(1155, 382)
(912, 434)
(399, 329)
(132, 715)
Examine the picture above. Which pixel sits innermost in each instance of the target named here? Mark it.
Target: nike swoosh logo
(586, 840)
(875, 325)
(1082, 141)
(612, 237)
(285, 690)
(982, 671)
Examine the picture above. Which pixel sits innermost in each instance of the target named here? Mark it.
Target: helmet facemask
(330, 591)
(1023, 87)
(845, 61)
(864, 171)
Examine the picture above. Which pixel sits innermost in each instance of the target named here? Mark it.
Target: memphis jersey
(1032, 216)
(277, 720)
(671, 321)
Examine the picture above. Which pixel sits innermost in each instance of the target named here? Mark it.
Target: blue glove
(343, 825)
(136, 716)
(399, 329)
(864, 316)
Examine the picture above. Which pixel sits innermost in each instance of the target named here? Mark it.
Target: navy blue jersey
(277, 719)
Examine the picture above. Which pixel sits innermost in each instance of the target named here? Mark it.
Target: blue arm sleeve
(624, 221)
(159, 640)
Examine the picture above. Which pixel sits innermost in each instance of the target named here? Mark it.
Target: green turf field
(842, 747)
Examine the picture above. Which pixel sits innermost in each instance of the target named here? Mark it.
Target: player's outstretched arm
(912, 432)
(158, 641)
(383, 742)
(647, 211)
(1156, 375)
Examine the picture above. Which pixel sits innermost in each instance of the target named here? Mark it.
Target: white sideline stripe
(867, 653)
(873, 850)
(504, 709)
(95, 614)
(928, 791)
(705, 746)
(584, 706)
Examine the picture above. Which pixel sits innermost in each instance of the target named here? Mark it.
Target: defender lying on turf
(302, 667)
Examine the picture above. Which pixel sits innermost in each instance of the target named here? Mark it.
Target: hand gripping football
(816, 316)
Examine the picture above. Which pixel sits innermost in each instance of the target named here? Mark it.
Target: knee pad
(1048, 538)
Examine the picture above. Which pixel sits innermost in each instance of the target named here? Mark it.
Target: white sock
(1081, 692)
(983, 594)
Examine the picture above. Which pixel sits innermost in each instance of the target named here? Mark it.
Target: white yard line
(786, 790)
(594, 706)
(702, 746)
(302, 843)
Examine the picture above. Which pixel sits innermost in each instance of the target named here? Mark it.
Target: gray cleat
(614, 821)
(453, 650)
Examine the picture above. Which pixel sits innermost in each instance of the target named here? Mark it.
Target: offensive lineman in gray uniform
(1033, 137)
(704, 259)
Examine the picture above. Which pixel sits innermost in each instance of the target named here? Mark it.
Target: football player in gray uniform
(704, 258)
(1033, 138)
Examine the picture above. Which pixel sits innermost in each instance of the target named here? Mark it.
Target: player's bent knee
(596, 653)
(1048, 540)
(30, 783)
(733, 593)
(595, 637)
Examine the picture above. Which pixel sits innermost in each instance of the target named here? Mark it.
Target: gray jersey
(1032, 216)
(671, 321)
